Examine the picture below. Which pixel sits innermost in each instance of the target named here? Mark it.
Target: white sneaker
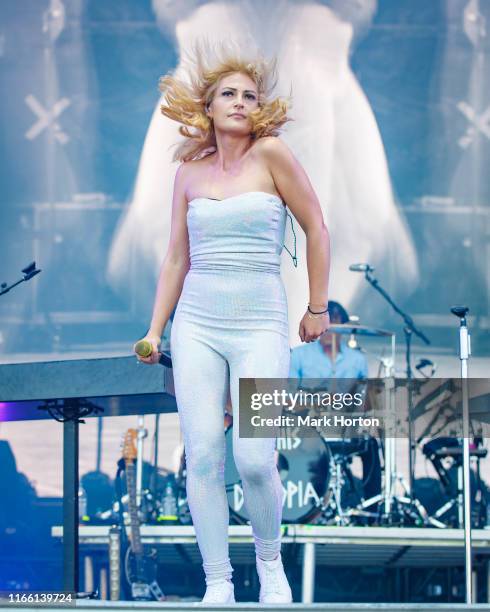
(274, 586)
(219, 592)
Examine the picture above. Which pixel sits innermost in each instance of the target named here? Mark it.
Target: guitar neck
(134, 521)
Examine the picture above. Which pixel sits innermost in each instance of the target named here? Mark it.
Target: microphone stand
(409, 329)
(464, 354)
(28, 272)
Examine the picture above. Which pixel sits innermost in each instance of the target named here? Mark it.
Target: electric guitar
(140, 567)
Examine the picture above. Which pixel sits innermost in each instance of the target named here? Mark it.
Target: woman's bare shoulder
(272, 147)
(195, 166)
(190, 173)
(275, 152)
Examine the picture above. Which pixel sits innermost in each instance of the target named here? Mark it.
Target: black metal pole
(70, 506)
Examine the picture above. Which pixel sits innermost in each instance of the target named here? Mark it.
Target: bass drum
(303, 465)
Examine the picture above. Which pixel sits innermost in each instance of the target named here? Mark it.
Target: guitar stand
(143, 587)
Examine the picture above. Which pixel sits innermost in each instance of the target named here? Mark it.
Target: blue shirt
(310, 361)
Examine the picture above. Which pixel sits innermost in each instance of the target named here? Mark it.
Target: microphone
(423, 363)
(144, 348)
(361, 267)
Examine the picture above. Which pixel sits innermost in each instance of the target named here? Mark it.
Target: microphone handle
(165, 359)
(143, 348)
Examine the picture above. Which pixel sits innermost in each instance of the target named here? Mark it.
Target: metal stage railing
(320, 546)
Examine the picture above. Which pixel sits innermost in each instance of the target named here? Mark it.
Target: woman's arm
(174, 268)
(295, 188)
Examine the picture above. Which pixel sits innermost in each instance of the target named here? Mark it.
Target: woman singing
(222, 270)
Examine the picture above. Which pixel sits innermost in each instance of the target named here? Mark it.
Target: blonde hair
(187, 102)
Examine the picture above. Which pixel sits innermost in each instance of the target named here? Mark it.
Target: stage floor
(106, 606)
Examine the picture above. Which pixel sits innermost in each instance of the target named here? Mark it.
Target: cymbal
(359, 330)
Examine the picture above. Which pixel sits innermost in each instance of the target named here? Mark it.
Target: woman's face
(234, 99)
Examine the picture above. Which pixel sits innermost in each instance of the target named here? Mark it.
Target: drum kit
(319, 482)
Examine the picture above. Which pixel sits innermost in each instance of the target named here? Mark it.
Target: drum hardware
(438, 397)
(442, 448)
(394, 508)
(353, 330)
(386, 373)
(402, 508)
(386, 367)
(408, 329)
(390, 443)
(358, 330)
(339, 471)
(406, 507)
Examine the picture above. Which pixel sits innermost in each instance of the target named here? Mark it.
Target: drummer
(328, 356)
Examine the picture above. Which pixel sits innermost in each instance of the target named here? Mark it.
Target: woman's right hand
(155, 342)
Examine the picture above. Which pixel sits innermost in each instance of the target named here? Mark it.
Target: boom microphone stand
(28, 272)
(409, 329)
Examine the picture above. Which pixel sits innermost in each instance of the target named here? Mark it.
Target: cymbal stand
(388, 495)
(335, 485)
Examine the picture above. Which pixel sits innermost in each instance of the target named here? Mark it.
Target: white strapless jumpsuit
(230, 322)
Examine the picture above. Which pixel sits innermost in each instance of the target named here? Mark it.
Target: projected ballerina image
(222, 273)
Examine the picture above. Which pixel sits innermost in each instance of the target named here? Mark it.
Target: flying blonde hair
(186, 102)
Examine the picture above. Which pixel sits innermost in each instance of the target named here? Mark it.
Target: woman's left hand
(313, 326)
